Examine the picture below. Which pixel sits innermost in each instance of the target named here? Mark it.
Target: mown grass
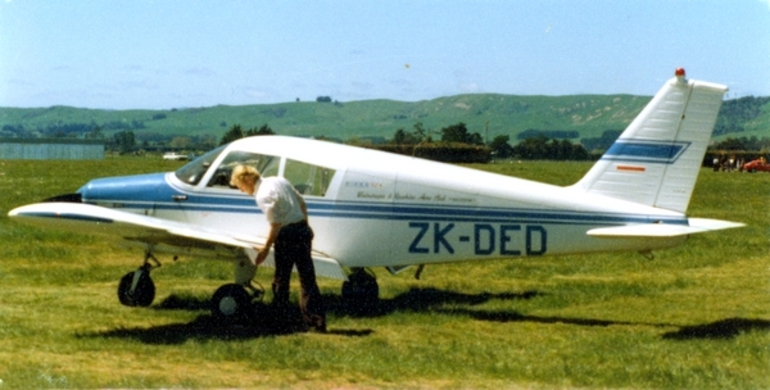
(696, 317)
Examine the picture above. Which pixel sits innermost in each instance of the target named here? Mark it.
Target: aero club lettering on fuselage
(487, 239)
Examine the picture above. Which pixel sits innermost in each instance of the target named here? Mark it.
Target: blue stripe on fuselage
(356, 210)
(137, 192)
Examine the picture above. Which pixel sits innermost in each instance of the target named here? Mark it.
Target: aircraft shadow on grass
(723, 329)
(264, 320)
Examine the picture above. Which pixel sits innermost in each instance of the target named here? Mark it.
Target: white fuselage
(382, 209)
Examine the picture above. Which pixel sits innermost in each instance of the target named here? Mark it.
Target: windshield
(193, 172)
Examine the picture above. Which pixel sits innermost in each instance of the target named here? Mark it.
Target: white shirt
(280, 202)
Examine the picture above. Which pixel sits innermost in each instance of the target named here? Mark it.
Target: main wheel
(361, 292)
(136, 288)
(230, 301)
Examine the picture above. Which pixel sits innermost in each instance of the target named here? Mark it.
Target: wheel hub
(228, 306)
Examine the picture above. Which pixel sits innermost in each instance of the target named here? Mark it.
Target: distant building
(51, 149)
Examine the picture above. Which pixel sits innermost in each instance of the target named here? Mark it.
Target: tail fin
(656, 160)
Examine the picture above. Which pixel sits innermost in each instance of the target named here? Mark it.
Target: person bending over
(292, 238)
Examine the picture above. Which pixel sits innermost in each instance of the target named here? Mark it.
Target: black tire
(231, 302)
(142, 294)
(361, 292)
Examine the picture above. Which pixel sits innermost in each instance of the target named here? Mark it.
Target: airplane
(375, 209)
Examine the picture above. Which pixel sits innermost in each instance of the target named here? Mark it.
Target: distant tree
(543, 148)
(95, 133)
(324, 99)
(235, 133)
(732, 144)
(602, 143)
(264, 130)
(752, 144)
(18, 130)
(459, 133)
(500, 146)
(558, 134)
(401, 137)
(422, 134)
(125, 141)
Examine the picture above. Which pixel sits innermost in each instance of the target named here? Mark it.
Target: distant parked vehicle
(176, 156)
(758, 165)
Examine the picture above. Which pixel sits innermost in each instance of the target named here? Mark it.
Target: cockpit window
(265, 164)
(308, 179)
(192, 172)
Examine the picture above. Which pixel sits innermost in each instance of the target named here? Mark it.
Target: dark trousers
(292, 248)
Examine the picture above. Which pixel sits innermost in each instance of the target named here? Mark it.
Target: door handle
(178, 198)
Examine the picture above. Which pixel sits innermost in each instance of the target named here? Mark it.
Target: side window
(308, 179)
(266, 165)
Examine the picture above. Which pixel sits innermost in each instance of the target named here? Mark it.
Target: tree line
(452, 143)
(456, 139)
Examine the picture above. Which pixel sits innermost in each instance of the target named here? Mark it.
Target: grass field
(695, 317)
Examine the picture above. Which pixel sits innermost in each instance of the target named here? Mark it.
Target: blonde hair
(241, 172)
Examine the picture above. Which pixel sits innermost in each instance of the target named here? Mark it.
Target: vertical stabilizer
(656, 160)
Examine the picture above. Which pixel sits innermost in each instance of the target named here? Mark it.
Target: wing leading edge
(90, 219)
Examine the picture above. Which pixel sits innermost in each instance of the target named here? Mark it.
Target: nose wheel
(137, 288)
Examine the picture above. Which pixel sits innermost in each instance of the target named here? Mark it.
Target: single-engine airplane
(376, 209)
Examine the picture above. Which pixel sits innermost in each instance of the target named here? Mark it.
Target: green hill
(488, 114)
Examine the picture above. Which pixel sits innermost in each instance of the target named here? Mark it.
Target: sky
(164, 54)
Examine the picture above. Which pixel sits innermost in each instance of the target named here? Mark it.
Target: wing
(695, 225)
(160, 233)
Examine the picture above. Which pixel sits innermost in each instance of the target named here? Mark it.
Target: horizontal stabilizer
(696, 225)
